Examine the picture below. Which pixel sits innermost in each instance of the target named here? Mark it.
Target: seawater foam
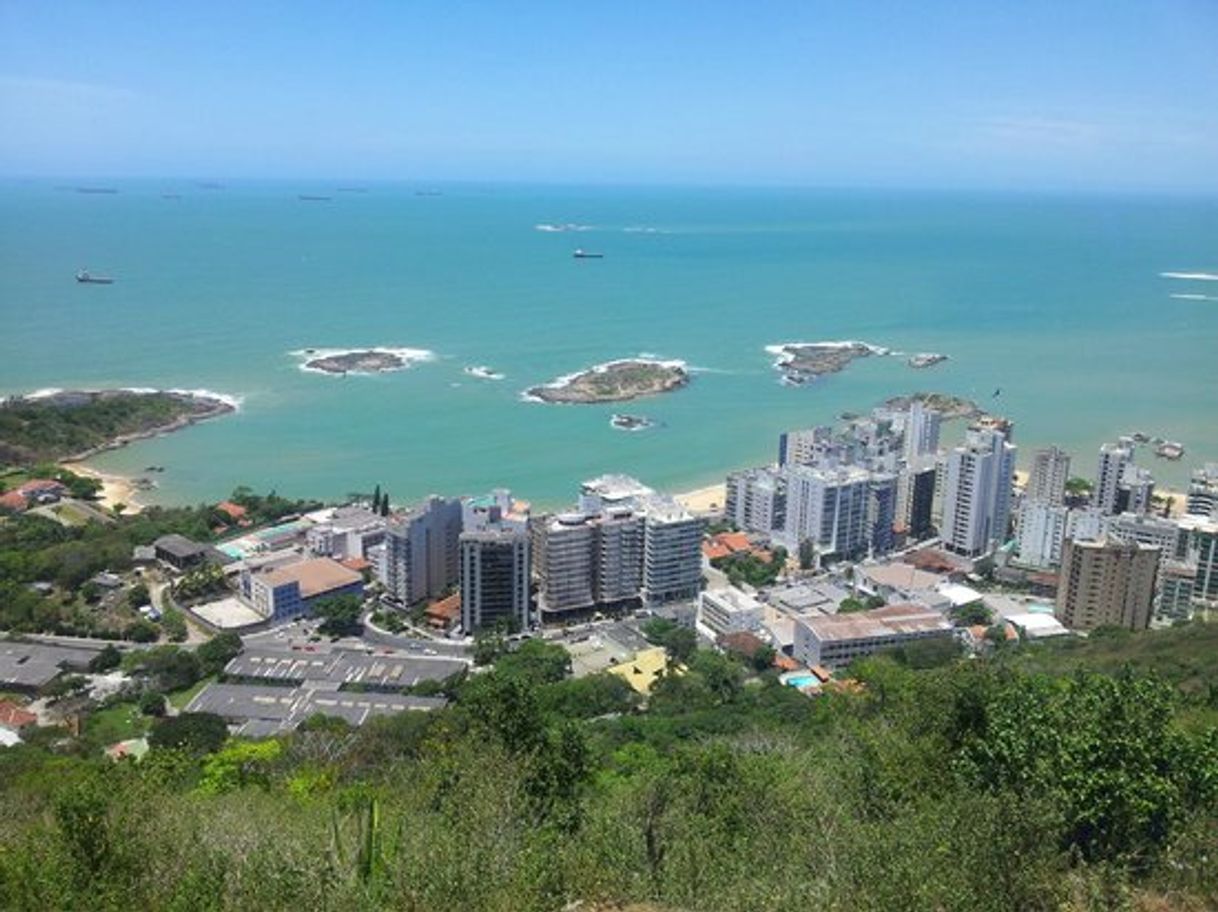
(409, 356)
(1191, 276)
(1194, 297)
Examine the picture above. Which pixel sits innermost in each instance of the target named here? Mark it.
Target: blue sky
(1070, 94)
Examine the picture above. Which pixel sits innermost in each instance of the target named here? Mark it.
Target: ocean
(1056, 301)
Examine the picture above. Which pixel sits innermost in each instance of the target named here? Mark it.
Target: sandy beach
(116, 489)
(704, 500)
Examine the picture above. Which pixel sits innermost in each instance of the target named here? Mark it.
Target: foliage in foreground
(971, 786)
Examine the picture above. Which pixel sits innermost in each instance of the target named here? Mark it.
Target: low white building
(723, 611)
(834, 641)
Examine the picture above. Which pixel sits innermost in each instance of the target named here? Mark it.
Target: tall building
(1203, 553)
(1107, 582)
(881, 512)
(1113, 459)
(583, 562)
(421, 551)
(672, 553)
(1165, 534)
(828, 507)
(916, 499)
(1047, 479)
(1042, 531)
(803, 447)
(1203, 492)
(921, 431)
(495, 579)
(756, 500)
(1134, 491)
(977, 493)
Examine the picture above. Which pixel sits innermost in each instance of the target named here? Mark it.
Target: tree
(137, 596)
(807, 554)
(851, 605)
(218, 652)
(763, 658)
(376, 500)
(340, 615)
(109, 658)
(972, 614)
(195, 733)
(239, 764)
(680, 644)
(536, 661)
(152, 703)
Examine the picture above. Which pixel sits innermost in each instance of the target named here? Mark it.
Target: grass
(178, 699)
(119, 722)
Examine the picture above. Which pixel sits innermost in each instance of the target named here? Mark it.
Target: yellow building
(644, 669)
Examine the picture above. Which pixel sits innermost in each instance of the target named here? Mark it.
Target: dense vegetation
(973, 785)
(55, 427)
(37, 549)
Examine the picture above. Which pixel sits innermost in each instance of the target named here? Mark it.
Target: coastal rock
(945, 404)
(801, 361)
(343, 361)
(616, 381)
(926, 359)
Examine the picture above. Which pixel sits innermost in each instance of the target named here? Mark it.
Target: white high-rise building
(421, 551)
(1042, 530)
(977, 493)
(756, 500)
(828, 507)
(1111, 467)
(921, 431)
(1084, 525)
(584, 561)
(1048, 476)
(1135, 490)
(672, 553)
(1203, 492)
(495, 579)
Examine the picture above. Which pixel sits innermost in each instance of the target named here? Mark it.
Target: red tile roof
(714, 550)
(445, 611)
(13, 500)
(14, 716)
(232, 510)
(733, 541)
(357, 564)
(36, 485)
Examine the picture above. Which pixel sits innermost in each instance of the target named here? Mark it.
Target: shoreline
(115, 489)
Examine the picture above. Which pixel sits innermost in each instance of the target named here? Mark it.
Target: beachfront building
(827, 507)
(1165, 534)
(1111, 467)
(836, 640)
(285, 592)
(921, 432)
(1135, 491)
(1047, 478)
(756, 500)
(494, 510)
(723, 611)
(1042, 531)
(1203, 492)
(421, 551)
(672, 553)
(1107, 582)
(977, 493)
(804, 447)
(494, 572)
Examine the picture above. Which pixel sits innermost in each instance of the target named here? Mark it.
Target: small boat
(87, 278)
(630, 422)
(581, 254)
(482, 372)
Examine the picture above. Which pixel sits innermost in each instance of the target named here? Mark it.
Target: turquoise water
(801, 680)
(1057, 301)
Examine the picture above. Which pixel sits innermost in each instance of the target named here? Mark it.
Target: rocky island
(948, 406)
(926, 359)
(359, 360)
(70, 425)
(616, 381)
(802, 361)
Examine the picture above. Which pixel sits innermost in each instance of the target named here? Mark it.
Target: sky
(1029, 95)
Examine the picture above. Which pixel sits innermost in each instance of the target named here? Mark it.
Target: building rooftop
(899, 576)
(31, 665)
(268, 710)
(315, 576)
(877, 623)
(179, 545)
(644, 669)
(13, 716)
(341, 667)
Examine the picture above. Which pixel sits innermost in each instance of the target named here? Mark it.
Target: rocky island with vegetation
(616, 381)
(360, 360)
(801, 361)
(72, 425)
(947, 405)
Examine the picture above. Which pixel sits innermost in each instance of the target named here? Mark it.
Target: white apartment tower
(1047, 479)
(421, 551)
(977, 493)
(828, 507)
(1109, 471)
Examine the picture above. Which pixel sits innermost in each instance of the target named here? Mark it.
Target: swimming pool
(801, 680)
